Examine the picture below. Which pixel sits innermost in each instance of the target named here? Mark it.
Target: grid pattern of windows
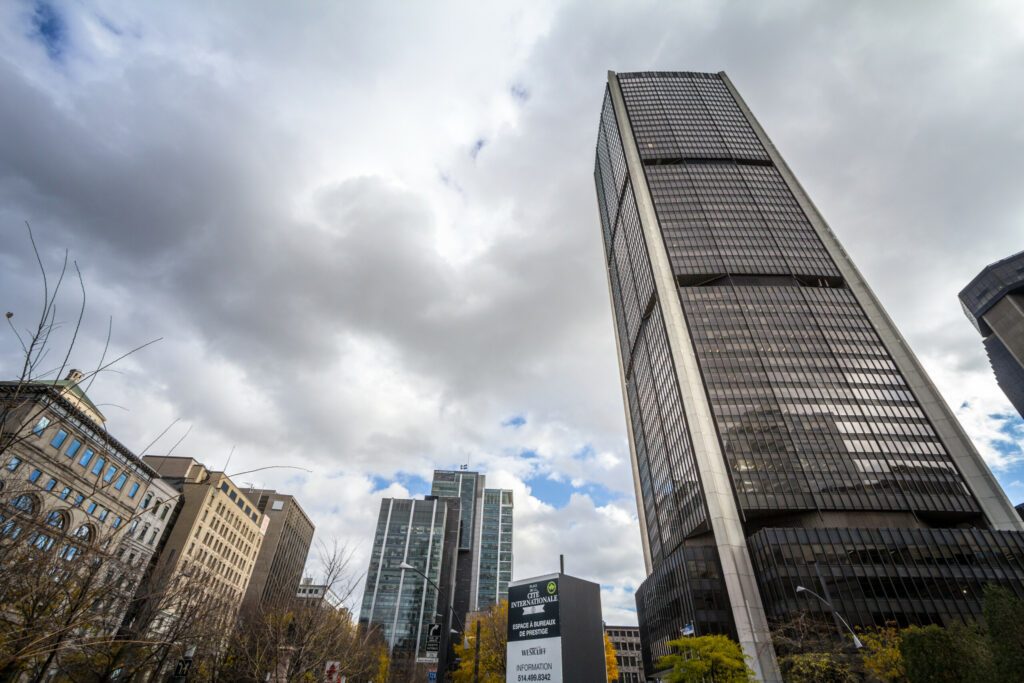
(687, 588)
(722, 218)
(495, 548)
(910, 576)
(400, 602)
(464, 486)
(673, 504)
(678, 115)
(811, 410)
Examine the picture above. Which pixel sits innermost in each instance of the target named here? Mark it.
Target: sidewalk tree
(611, 665)
(706, 658)
(493, 646)
(881, 654)
(1004, 619)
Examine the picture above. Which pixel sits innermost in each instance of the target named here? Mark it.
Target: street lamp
(462, 628)
(856, 641)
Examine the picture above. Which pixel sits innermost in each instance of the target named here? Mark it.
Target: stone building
(282, 557)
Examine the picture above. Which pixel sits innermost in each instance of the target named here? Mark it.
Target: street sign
(431, 676)
(332, 672)
(433, 637)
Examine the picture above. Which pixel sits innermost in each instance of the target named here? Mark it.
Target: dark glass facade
(817, 423)
(994, 303)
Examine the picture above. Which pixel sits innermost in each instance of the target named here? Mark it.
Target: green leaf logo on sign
(552, 587)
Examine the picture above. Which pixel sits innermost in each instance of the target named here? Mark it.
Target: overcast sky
(367, 233)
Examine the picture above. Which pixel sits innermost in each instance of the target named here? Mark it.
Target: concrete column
(723, 512)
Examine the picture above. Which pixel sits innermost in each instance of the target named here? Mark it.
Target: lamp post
(462, 628)
(856, 641)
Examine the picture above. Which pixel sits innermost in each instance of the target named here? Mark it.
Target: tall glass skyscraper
(495, 548)
(781, 430)
(403, 604)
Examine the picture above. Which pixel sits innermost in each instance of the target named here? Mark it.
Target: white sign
(534, 661)
(332, 672)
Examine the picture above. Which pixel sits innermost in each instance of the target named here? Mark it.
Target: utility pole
(476, 655)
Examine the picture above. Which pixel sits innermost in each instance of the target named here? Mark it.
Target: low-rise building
(69, 486)
(628, 654)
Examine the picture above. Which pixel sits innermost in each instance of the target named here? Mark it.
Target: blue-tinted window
(13, 463)
(232, 495)
(103, 514)
(86, 457)
(119, 484)
(58, 439)
(133, 489)
(91, 507)
(98, 466)
(73, 448)
(78, 499)
(224, 488)
(50, 484)
(35, 475)
(41, 425)
(64, 493)
(146, 501)
(111, 471)
(117, 522)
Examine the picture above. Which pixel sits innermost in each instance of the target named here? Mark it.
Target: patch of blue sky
(558, 493)
(515, 422)
(415, 484)
(50, 29)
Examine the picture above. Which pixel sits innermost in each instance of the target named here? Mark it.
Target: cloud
(284, 195)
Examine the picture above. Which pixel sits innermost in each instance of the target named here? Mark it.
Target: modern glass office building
(468, 487)
(994, 303)
(495, 548)
(401, 603)
(780, 427)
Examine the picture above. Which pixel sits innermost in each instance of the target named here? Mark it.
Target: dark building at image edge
(780, 428)
(994, 303)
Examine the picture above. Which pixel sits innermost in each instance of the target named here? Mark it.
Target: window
(119, 484)
(146, 501)
(64, 493)
(111, 471)
(35, 475)
(232, 495)
(86, 457)
(84, 532)
(224, 487)
(103, 514)
(277, 505)
(41, 425)
(58, 438)
(133, 526)
(163, 512)
(133, 489)
(24, 503)
(13, 463)
(78, 499)
(91, 507)
(73, 448)
(56, 519)
(117, 522)
(98, 466)
(248, 510)
(50, 484)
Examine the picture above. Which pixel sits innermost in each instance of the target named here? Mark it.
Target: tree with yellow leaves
(493, 641)
(611, 665)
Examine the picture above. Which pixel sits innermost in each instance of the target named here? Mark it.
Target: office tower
(994, 303)
(282, 556)
(626, 641)
(212, 545)
(780, 428)
(468, 487)
(495, 548)
(404, 604)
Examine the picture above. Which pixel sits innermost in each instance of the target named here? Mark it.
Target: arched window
(84, 533)
(57, 519)
(25, 504)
